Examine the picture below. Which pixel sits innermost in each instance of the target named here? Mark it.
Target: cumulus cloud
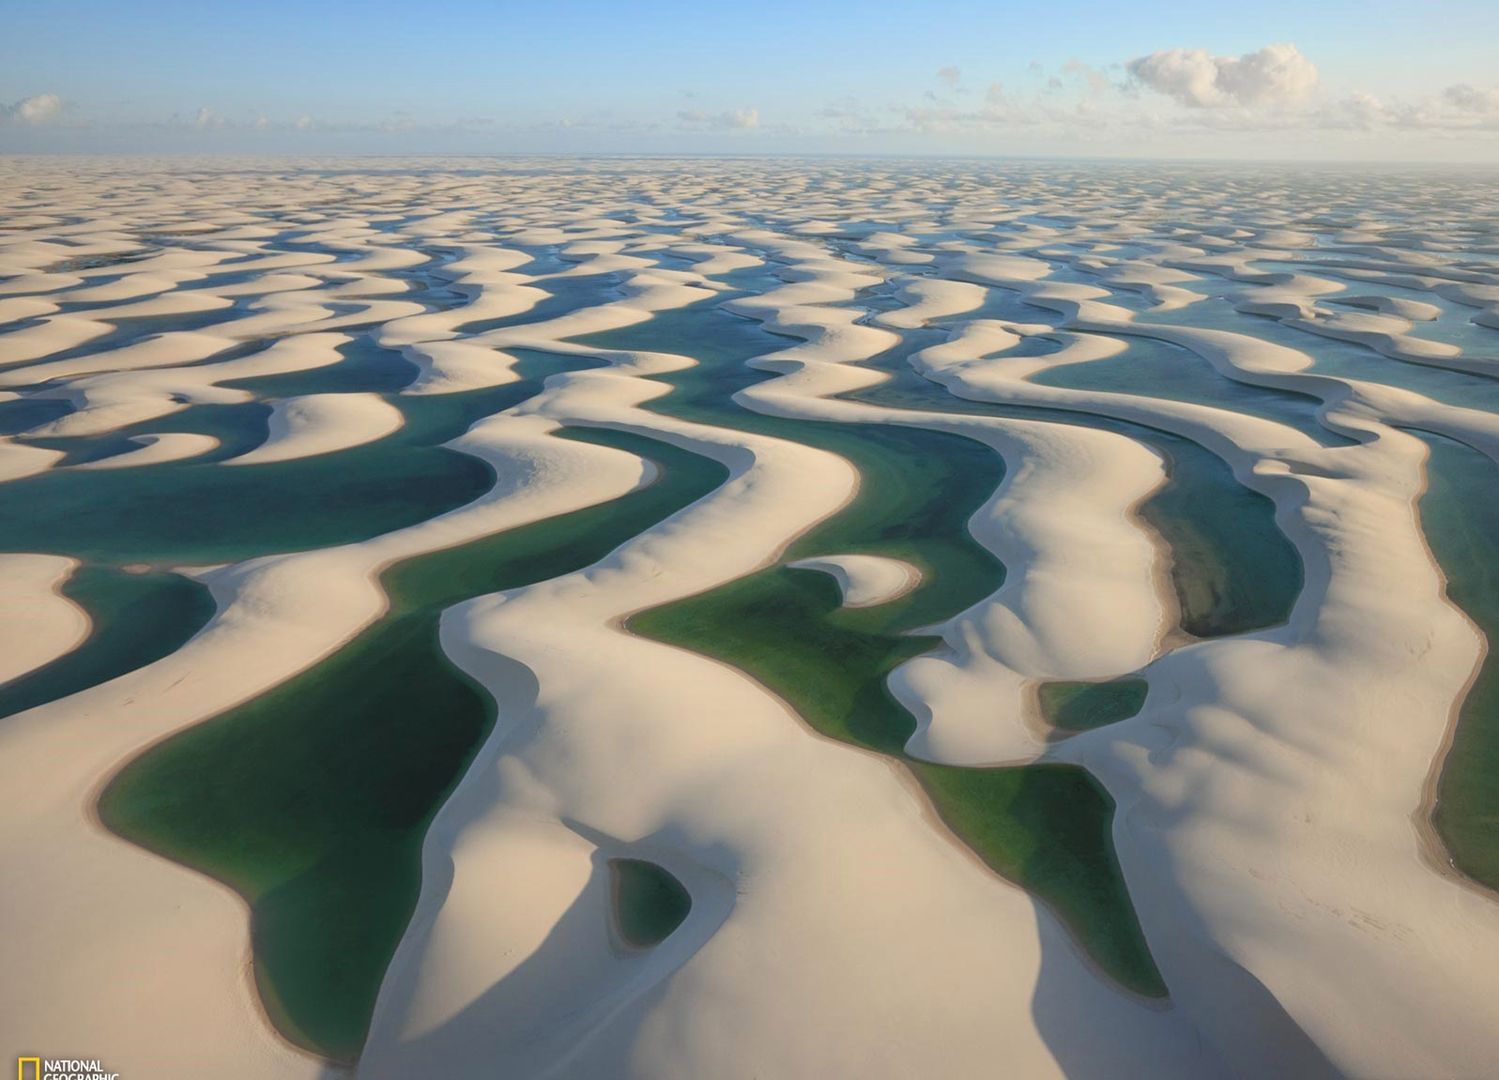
(729, 120)
(950, 74)
(1267, 91)
(1275, 76)
(34, 111)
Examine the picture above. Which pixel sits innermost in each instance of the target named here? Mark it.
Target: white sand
(1272, 801)
(177, 991)
(38, 623)
(865, 580)
(321, 424)
(565, 725)
(155, 449)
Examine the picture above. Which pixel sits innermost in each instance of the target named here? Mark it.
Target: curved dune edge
(438, 1009)
(18, 459)
(1228, 1023)
(156, 449)
(452, 367)
(865, 580)
(569, 735)
(276, 616)
(931, 298)
(313, 424)
(1084, 593)
(1264, 797)
(37, 623)
(107, 400)
(1354, 525)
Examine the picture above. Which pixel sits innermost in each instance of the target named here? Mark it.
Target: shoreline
(816, 336)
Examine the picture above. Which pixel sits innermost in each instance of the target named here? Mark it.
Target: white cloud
(1458, 109)
(1275, 76)
(34, 111)
(729, 120)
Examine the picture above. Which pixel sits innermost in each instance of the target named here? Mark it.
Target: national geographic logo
(40, 1068)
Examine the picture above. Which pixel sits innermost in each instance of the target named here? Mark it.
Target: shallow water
(1159, 369)
(1232, 567)
(1460, 517)
(787, 628)
(649, 903)
(137, 617)
(313, 798)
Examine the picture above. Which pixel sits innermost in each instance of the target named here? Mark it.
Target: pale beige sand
(20, 459)
(802, 868)
(321, 424)
(1326, 943)
(49, 336)
(37, 623)
(930, 298)
(865, 580)
(155, 449)
(451, 367)
(1271, 799)
(177, 992)
(1082, 596)
(108, 400)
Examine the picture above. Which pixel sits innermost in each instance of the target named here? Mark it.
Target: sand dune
(1273, 796)
(320, 424)
(437, 1005)
(40, 624)
(155, 449)
(865, 580)
(276, 616)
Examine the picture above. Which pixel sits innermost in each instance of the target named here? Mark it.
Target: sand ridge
(1265, 792)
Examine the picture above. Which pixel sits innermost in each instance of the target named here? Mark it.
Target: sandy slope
(865, 580)
(764, 867)
(1272, 795)
(320, 424)
(39, 623)
(176, 998)
(155, 449)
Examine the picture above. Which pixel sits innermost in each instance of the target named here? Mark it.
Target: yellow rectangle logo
(36, 1068)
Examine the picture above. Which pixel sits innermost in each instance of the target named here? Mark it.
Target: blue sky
(1315, 79)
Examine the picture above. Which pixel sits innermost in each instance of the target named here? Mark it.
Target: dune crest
(1214, 446)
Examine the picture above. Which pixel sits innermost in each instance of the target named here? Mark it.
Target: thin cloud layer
(729, 120)
(1168, 99)
(1458, 108)
(1483, 104)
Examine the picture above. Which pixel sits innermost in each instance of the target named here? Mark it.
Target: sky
(1312, 80)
